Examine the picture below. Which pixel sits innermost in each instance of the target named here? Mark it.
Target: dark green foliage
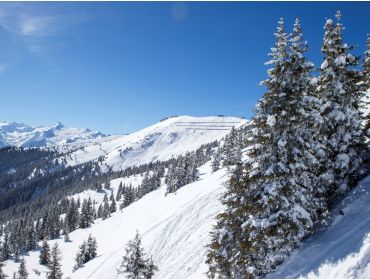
(2, 274)
(55, 270)
(22, 270)
(45, 253)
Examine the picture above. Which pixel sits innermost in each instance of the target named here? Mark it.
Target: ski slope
(161, 141)
(174, 228)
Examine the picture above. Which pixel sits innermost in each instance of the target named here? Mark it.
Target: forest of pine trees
(306, 149)
(43, 222)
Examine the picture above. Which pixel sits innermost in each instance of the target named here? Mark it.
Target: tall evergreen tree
(2, 273)
(134, 264)
(92, 248)
(6, 249)
(341, 101)
(113, 206)
(87, 214)
(216, 162)
(45, 253)
(55, 270)
(366, 78)
(232, 148)
(31, 239)
(271, 206)
(72, 216)
(22, 270)
(80, 257)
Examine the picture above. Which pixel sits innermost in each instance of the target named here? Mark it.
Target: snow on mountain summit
(22, 135)
(168, 138)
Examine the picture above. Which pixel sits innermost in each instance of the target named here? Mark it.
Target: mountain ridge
(23, 135)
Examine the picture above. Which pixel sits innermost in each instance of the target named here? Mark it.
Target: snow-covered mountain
(161, 141)
(175, 230)
(175, 227)
(22, 135)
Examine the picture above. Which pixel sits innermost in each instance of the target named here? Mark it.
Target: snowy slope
(18, 134)
(161, 141)
(341, 251)
(174, 228)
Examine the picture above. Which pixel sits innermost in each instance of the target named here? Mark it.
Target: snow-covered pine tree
(5, 249)
(341, 101)
(22, 270)
(216, 162)
(134, 264)
(87, 213)
(31, 242)
(91, 249)
(86, 252)
(232, 148)
(72, 216)
(113, 206)
(271, 207)
(366, 78)
(119, 192)
(224, 244)
(55, 268)
(80, 257)
(2, 273)
(106, 208)
(45, 253)
(67, 237)
(151, 269)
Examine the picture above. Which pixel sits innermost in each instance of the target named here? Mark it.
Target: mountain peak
(58, 125)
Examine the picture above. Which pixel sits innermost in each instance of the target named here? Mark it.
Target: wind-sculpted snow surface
(340, 251)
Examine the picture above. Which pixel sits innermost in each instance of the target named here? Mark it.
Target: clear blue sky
(118, 67)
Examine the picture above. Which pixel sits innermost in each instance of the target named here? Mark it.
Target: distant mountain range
(22, 135)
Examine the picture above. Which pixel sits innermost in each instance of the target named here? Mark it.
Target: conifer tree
(106, 208)
(113, 206)
(67, 238)
(232, 148)
(22, 270)
(341, 95)
(6, 250)
(224, 245)
(2, 274)
(81, 256)
(216, 162)
(151, 269)
(31, 242)
(87, 251)
(366, 79)
(55, 270)
(92, 248)
(72, 216)
(45, 253)
(270, 205)
(87, 214)
(134, 264)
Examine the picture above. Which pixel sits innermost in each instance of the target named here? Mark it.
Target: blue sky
(118, 67)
